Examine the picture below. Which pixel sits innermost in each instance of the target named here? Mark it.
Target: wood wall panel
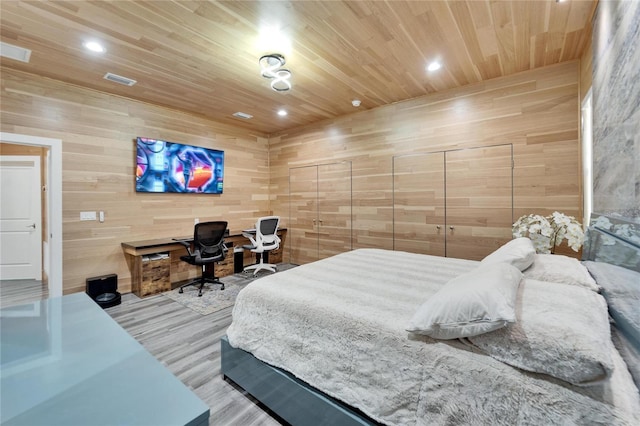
(97, 132)
(536, 111)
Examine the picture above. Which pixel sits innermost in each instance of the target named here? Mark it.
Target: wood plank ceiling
(202, 56)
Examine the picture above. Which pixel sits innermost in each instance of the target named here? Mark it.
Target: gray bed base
(291, 399)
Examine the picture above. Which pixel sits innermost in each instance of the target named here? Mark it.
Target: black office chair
(207, 247)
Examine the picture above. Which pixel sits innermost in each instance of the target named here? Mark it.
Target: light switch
(101, 216)
(87, 215)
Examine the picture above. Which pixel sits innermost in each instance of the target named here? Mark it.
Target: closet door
(334, 223)
(479, 193)
(302, 235)
(320, 212)
(418, 203)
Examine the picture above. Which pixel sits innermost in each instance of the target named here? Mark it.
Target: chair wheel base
(201, 285)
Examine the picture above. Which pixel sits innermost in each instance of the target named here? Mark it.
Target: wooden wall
(97, 133)
(536, 111)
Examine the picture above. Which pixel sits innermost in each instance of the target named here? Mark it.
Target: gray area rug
(213, 299)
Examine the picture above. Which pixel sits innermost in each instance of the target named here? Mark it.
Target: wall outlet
(101, 216)
(87, 215)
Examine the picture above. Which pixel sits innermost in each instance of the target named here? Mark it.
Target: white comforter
(339, 325)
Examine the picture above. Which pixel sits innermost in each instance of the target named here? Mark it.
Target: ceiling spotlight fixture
(94, 46)
(356, 103)
(434, 66)
(282, 113)
(271, 68)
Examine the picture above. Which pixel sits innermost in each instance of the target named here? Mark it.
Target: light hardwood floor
(187, 343)
(18, 292)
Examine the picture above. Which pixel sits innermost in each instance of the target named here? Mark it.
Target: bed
(328, 342)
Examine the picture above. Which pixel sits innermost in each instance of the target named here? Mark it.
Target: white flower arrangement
(547, 233)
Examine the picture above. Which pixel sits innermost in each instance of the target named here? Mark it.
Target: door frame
(54, 202)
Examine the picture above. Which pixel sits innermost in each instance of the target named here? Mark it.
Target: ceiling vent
(14, 52)
(119, 79)
(243, 115)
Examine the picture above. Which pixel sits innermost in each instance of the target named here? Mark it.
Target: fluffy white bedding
(561, 330)
(339, 324)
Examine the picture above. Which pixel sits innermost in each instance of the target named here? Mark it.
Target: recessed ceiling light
(282, 113)
(94, 46)
(356, 102)
(434, 66)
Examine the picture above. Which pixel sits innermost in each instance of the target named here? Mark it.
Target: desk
(67, 362)
(159, 275)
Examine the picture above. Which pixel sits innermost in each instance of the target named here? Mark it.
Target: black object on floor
(104, 290)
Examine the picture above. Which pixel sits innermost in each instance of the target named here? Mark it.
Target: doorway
(52, 255)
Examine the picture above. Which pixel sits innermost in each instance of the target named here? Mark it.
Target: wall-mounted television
(163, 166)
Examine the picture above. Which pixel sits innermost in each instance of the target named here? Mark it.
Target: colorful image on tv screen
(163, 166)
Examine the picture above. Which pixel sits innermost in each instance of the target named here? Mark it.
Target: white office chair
(264, 240)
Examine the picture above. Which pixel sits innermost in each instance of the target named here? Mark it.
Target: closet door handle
(438, 227)
(451, 227)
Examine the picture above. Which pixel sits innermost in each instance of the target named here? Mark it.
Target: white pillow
(518, 252)
(557, 268)
(477, 302)
(562, 330)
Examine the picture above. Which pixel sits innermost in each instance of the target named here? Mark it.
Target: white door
(20, 218)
